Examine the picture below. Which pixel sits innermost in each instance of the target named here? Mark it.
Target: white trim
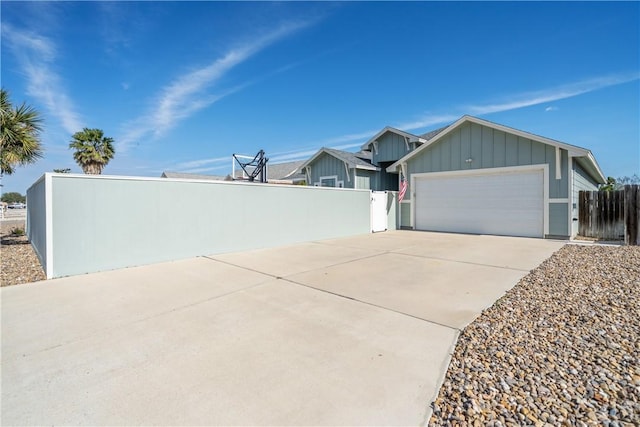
(564, 200)
(324, 150)
(334, 177)
(558, 163)
(48, 215)
(346, 170)
(406, 143)
(412, 221)
(570, 178)
(492, 171)
(386, 129)
(307, 174)
(574, 151)
(375, 146)
(403, 168)
(366, 168)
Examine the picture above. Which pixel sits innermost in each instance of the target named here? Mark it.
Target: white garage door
(509, 204)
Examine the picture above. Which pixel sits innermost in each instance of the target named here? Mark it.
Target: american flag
(403, 188)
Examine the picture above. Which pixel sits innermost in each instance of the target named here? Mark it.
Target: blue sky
(181, 86)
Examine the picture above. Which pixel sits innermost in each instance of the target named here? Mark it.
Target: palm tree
(19, 136)
(93, 150)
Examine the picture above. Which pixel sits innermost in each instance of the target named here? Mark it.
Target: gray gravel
(560, 348)
(18, 261)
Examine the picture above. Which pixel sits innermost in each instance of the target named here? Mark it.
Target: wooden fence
(610, 215)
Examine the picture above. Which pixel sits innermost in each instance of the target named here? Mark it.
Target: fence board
(610, 215)
(631, 213)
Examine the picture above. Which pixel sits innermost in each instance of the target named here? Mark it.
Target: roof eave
(412, 137)
(574, 151)
(589, 163)
(369, 168)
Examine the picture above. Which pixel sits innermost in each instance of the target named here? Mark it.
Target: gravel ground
(18, 262)
(560, 348)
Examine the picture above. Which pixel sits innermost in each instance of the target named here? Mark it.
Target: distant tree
(13, 197)
(67, 170)
(628, 180)
(19, 135)
(619, 183)
(92, 150)
(610, 185)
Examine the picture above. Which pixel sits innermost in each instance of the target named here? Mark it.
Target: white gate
(378, 211)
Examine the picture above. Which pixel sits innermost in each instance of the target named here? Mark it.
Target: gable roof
(283, 171)
(359, 160)
(589, 162)
(412, 137)
(432, 134)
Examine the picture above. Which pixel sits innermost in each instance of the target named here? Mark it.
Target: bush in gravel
(17, 232)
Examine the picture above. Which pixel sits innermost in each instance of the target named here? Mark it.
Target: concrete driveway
(353, 331)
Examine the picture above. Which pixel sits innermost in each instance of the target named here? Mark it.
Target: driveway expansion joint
(373, 305)
(503, 267)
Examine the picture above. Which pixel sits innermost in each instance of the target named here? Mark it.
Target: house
(475, 176)
(368, 167)
(182, 175)
(277, 173)
(336, 168)
(285, 173)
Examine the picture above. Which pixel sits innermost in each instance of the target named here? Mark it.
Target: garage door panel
(503, 204)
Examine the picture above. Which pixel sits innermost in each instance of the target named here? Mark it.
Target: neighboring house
(181, 175)
(476, 176)
(277, 173)
(367, 168)
(336, 168)
(285, 173)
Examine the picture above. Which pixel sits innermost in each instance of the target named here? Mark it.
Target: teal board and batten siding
(558, 219)
(387, 181)
(391, 147)
(405, 215)
(326, 165)
(492, 148)
(582, 181)
(104, 223)
(367, 180)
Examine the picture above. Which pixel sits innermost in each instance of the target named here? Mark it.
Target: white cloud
(188, 93)
(202, 162)
(525, 99)
(528, 99)
(516, 101)
(36, 54)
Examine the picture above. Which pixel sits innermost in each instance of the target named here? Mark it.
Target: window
(328, 181)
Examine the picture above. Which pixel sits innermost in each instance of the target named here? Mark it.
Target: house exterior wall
(387, 181)
(405, 214)
(37, 220)
(168, 219)
(582, 181)
(391, 147)
(558, 219)
(367, 180)
(492, 148)
(327, 165)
